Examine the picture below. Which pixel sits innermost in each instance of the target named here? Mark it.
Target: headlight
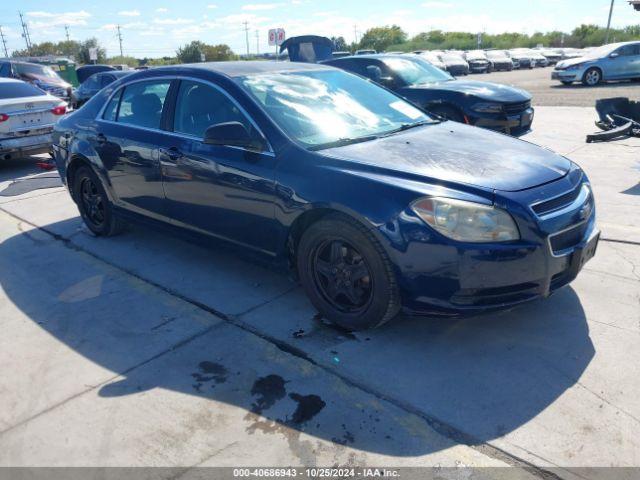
(467, 221)
(487, 107)
(575, 67)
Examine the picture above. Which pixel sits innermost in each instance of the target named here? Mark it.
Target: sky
(156, 28)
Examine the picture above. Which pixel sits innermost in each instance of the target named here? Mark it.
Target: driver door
(220, 190)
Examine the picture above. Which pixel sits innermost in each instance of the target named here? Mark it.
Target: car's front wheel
(347, 274)
(94, 205)
(592, 77)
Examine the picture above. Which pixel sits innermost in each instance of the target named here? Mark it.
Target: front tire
(94, 205)
(592, 77)
(347, 274)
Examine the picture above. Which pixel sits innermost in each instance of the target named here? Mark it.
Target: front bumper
(23, 145)
(515, 124)
(566, 75)
(438, 276)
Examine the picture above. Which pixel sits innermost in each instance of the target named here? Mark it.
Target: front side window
(142, 103)
(321, 108)
(200, 106)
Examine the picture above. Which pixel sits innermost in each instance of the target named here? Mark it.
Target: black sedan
(376, 205)
(488, 105)
(94, 84)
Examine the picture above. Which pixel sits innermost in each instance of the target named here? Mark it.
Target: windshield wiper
(407, 126)
(341, 142)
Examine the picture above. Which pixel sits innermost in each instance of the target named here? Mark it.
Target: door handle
(172, 153)
(101, 139)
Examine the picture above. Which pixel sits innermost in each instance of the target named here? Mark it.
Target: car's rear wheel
(347, 274)
(447, 112)
(592, 77)
(94, 205)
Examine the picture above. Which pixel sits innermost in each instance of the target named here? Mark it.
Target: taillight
(59, 110)
(4, 117)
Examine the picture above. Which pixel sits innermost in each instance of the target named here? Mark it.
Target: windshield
(18, 90)
(476, 55)
(32, 69)
(324, 108)
(452, 57)
(416, 72)
(496, 54)
(603, 51)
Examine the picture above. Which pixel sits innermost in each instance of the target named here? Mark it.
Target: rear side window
(111, 111)
(142, 103)
(18, 90)
(200, 106)
(106, 80)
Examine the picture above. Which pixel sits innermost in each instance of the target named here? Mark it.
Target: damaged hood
(574, 61)
(481, 90)
(456, 153)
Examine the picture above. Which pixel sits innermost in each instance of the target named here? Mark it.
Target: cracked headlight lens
(467, 221)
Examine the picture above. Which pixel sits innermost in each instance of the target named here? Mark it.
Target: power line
(4, 43)
(246, 32)
(120, 40)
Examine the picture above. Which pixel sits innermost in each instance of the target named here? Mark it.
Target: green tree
(380, 38)
(218, 53)
(84, 53)
(130, 61)
(339, 44)
(191, 52)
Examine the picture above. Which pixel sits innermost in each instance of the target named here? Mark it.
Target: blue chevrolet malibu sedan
(374, 204)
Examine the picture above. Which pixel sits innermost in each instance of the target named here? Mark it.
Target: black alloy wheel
(342, 276)
(93, 203)
(347, 274)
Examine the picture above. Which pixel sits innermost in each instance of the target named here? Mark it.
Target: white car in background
(27, 117)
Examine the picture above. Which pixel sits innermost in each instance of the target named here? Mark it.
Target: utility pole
(355, 33)
(66, 29)
(246, 33)
(606, 40)
(120, 39)
(25, 33)
(257, 42)
(4, 43)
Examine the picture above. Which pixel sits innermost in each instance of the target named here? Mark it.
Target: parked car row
(377, 205)
(459, 62)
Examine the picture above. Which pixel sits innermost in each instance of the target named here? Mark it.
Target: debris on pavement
(619, 118)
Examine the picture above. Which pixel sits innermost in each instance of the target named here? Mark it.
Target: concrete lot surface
(145, 350)
(547, 92)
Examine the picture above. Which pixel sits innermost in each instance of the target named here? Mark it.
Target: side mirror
(231, 134)
(374, 73)
(614, 55)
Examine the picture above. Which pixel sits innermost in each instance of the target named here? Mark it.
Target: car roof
(10, 80)
(117, 73)
(242, 69)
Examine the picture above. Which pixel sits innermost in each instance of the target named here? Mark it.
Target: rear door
(221, 190)
(127, 139)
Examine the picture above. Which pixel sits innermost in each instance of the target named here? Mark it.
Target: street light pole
(606, 40)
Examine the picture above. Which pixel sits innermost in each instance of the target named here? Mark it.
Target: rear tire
(93, 203)
(347, 274)
(592, 77)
